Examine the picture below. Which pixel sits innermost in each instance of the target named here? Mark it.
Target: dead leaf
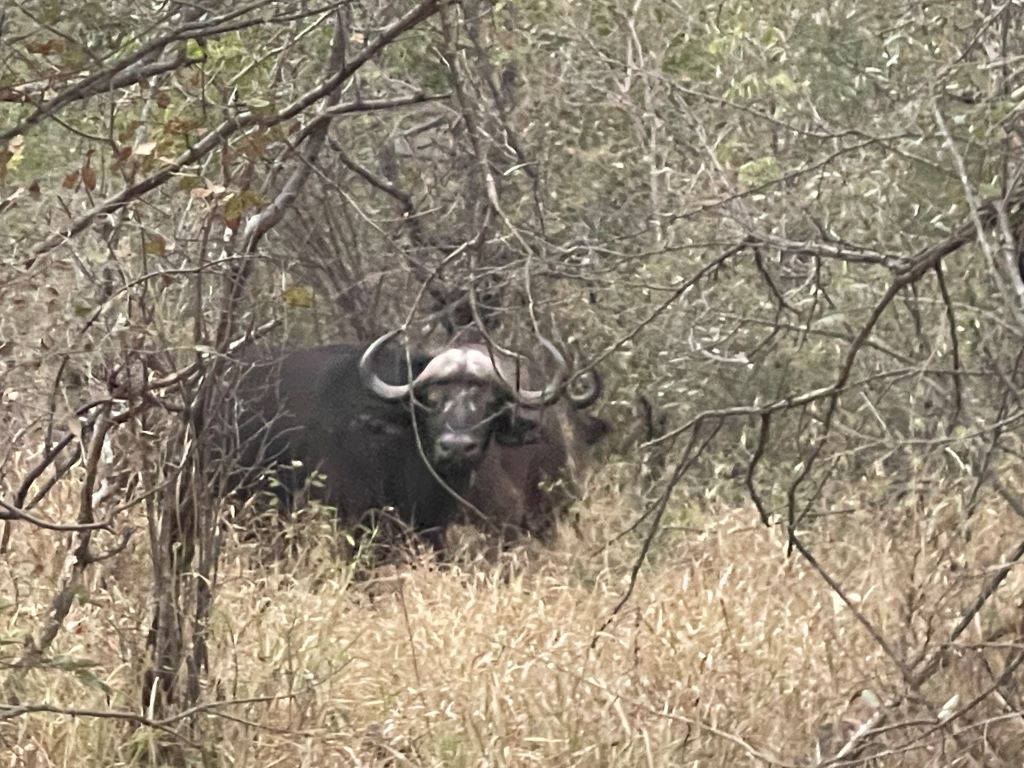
(47, 47)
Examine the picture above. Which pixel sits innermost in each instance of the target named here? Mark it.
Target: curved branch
(11, 512)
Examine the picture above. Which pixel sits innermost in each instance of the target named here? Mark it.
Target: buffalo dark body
(356, 415)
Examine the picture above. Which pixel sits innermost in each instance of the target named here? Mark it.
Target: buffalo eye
(433, 398)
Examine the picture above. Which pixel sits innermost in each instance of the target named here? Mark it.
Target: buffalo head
(463, 397)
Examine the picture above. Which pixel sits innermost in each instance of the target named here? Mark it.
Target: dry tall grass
(730, 653)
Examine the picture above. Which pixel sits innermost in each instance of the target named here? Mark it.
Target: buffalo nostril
(458, 447)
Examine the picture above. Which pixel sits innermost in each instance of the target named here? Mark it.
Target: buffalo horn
(372, 381)
(551, 392)
(591, 394)
(471, 363)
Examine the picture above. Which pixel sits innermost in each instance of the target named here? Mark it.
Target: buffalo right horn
(591, 394)
(372, 381)
(538, 397)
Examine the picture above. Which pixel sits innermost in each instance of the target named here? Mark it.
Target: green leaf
(69, 664)
(89, 680)
(188, 183)
(756, 172)
(194, 50)
(154, 245)
(298, 296)
(783, 82)
(240, 202)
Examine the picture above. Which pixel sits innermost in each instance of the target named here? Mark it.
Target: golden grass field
(729, 653)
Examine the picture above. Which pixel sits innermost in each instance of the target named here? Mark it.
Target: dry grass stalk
(729, 653)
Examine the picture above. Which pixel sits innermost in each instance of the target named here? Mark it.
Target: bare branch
(233, 125)
(10, 512)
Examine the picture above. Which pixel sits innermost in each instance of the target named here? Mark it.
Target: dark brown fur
(524, 489)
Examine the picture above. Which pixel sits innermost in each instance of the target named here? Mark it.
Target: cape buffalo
(526, 487)
(390, 429)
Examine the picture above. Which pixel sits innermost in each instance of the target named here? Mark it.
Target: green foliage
(414, 59)
(788, 229)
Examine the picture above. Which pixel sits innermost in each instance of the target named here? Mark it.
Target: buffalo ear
(514, 430)
(595, 429)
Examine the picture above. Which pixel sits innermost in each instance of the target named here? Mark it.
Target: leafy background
(787, 235)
